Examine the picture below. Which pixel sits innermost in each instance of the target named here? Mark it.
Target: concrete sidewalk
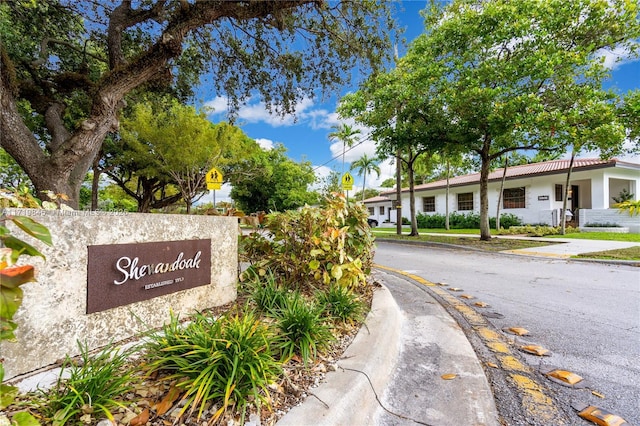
(395, 371)
(570, 247)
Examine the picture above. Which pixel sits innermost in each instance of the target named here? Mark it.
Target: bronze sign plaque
(120, 274)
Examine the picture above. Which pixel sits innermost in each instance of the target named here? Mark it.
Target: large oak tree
(66, 66)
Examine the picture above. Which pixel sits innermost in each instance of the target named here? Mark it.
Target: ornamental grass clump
(341, 303)
(94, 387)
(226, 361)
(267, 294)
(302, 329)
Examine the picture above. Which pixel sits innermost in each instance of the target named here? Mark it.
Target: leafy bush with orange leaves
(314, 247)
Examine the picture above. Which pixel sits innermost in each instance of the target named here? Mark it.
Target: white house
(533, 192)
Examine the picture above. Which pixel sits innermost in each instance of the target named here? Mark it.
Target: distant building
(532, 192)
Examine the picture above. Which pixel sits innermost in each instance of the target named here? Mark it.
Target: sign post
(214, 181)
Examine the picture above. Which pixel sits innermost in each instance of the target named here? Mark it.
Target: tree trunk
(412, 201)
(563, 219)
(485, 230)
(398, 194)
(446, 201)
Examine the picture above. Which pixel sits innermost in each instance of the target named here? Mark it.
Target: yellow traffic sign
(347, 181)
(214, 176)
(213, 186)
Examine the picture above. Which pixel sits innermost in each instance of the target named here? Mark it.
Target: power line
(360, 142)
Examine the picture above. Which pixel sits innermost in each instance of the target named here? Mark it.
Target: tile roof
(377, 199)
(514, 172)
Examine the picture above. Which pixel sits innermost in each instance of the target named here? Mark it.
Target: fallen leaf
(492, 364)
(141, 418)
(167, 402)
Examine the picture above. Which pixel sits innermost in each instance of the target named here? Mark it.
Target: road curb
(516, 252)
(365, 368)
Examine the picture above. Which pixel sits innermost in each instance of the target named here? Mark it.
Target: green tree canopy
(166, 143)
(269, 181)
(66, 66)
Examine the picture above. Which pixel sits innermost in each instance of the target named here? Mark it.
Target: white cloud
(266, 144)
(255, 111)
(217, 104)
(614, 58)
(627, 147)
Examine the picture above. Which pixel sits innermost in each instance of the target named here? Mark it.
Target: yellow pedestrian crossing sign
(347, 181)
(214, 179)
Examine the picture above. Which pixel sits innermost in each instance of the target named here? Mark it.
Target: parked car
(372, 222)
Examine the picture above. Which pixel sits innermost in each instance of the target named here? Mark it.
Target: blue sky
(306, 137)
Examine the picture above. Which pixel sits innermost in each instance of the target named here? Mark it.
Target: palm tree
(366, 164)
(344, 133)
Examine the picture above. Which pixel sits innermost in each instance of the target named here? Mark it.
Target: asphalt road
(586, 314)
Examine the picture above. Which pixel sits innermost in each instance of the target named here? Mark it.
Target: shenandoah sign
(120, 274)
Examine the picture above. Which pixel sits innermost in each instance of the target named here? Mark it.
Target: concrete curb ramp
(407, 344)
(348, 393)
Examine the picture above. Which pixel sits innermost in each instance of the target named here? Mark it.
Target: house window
(381, 210)
(513, 198)
(371, 211)
(465, 201)
(559, 192)
(428, 204)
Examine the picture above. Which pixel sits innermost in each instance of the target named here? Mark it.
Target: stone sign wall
(54, 314)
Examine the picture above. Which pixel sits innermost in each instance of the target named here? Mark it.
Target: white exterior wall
(376, 206)
(595, 189)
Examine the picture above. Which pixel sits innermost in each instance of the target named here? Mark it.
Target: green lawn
(631, 253)
(494, 244)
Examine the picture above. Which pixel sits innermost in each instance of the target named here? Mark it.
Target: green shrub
(302, 330)
(228, 360)
(535, 230)
(314, 247)
(95, 385)
(464, 221)
(507, 220)
(341, 303)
